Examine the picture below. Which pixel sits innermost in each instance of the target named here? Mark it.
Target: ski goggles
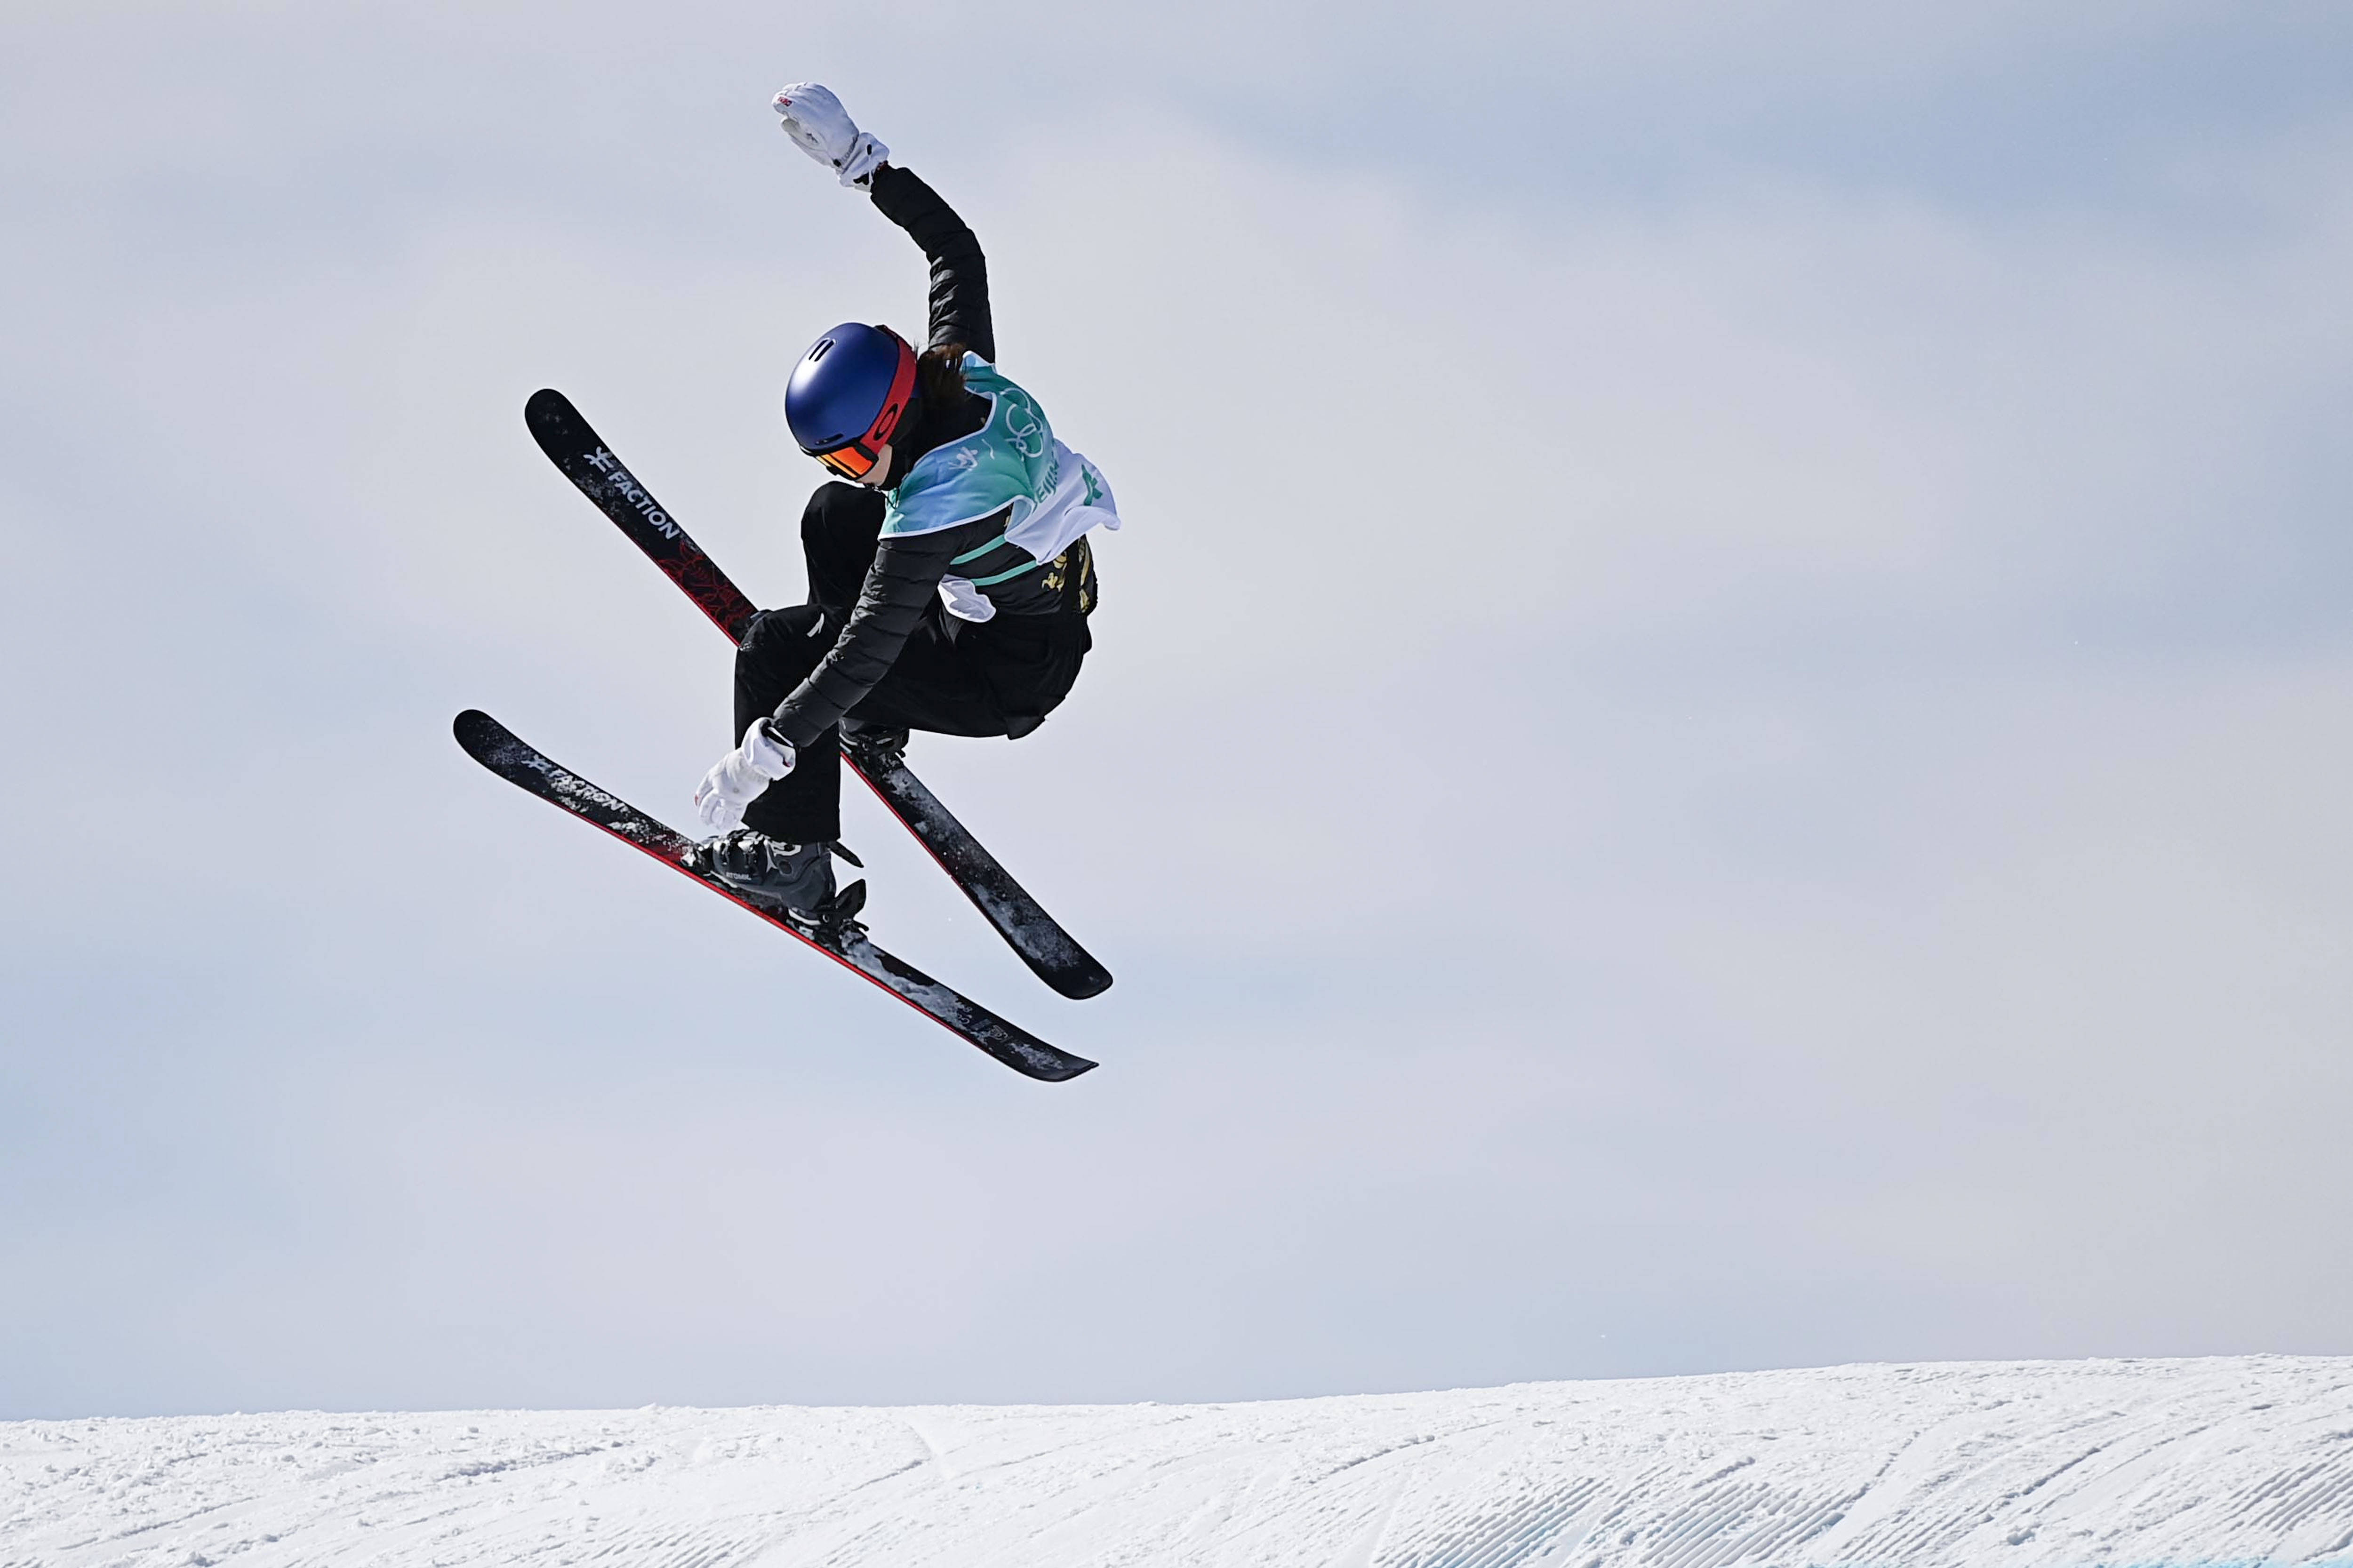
(855, 459)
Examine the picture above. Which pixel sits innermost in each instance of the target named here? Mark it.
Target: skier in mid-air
(949, 575)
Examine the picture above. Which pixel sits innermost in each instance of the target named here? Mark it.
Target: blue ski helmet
(848, 394)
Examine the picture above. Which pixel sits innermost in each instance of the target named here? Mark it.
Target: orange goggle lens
(852, 462)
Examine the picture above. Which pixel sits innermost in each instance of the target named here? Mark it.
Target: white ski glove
(763, 759)
(821, 128)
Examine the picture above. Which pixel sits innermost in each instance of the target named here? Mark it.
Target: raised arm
(821, 128)
(959, 271)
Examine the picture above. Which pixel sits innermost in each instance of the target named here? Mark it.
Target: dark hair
(939, 375)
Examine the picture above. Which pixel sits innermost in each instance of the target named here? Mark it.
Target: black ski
(1051, 954)
(494, 746)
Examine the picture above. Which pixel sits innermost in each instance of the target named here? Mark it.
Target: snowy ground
(2233, 1460)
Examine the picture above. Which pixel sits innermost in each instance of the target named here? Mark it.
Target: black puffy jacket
(903, 583)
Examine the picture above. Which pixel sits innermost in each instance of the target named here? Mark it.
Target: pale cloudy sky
(1718, 738)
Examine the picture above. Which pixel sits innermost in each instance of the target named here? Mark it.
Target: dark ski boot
(794, 880)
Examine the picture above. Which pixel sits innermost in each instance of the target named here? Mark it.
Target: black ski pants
(1000, 676)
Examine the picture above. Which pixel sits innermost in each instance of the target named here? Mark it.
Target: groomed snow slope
(2236, 1460)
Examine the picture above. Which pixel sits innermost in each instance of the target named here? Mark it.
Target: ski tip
(545, 404)
(1078, 984)
(479, 733)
